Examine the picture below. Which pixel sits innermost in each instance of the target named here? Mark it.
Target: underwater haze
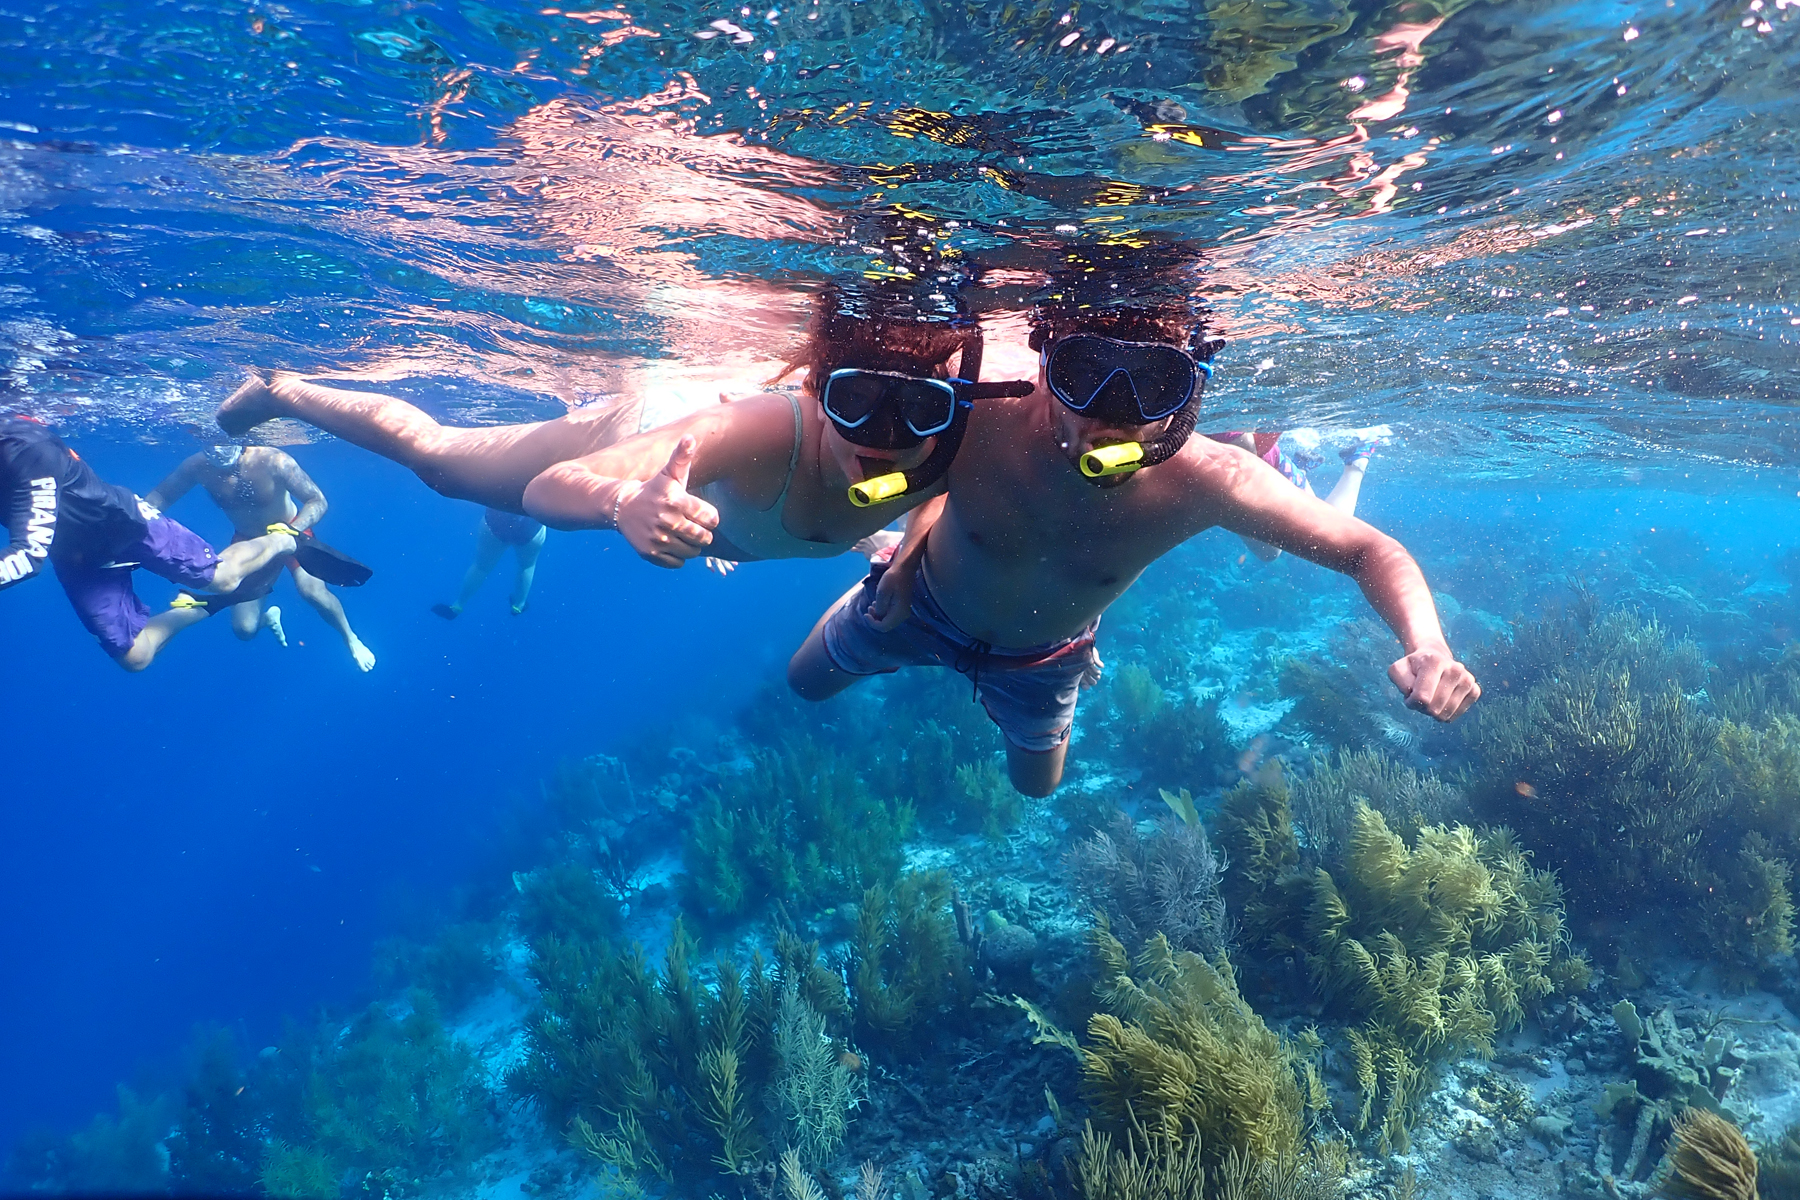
(583, 901)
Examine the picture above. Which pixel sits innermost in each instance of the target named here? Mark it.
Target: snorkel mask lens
(224, 457)
(883, 410)
(1128, 383)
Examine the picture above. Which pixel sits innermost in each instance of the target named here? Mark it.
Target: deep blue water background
(160, 832)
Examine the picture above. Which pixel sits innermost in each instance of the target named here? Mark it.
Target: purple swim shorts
(102, 595)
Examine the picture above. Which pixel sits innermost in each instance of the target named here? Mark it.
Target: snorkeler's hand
(720, 566)
(661, 520)
(1434, 682)
(893, 598)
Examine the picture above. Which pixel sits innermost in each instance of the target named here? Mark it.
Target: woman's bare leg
(488, 465)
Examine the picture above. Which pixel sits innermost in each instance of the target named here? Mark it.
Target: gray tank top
(748, 534)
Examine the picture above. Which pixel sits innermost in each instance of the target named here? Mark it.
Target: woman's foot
(248, 407)
(271, 621)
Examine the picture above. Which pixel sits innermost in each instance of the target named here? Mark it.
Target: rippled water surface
(1524, 233)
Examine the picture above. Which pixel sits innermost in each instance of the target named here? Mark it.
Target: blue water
(1559, 264)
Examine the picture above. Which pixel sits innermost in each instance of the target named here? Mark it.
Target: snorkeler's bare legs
(489, 465)
(1348, 488)
(488, 551)
(527, 556)
(312, 589)
(243, 562)
(1035, 772)
(253, 616)
(156, 634)
(811, 672)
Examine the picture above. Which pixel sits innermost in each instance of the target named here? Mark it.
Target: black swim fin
(328, 563)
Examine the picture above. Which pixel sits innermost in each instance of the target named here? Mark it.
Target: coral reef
(1434, 947)
(990, 801)
(1323, 798)
(1165, 882)
(1178, 1056)
(1674, 1070)
(814, 1091)
(908, 962)
(1637, 797)
(1710, 1160)
(658, 1076)
(798, 826)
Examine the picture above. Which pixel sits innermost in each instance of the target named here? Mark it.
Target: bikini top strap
(799, 434)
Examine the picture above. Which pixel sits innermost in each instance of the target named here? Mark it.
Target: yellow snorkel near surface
(1117, 459)
(882, 487)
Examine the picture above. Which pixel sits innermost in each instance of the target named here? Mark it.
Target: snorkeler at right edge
(95, 534)
(1295, 468)
(768, 477)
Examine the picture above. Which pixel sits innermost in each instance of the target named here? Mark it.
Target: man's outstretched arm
(178, 483)
(1257, 502)
(305, 492)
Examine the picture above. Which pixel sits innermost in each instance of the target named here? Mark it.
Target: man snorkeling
(499, 530)
(1059, 503)
(260, 487)
(870, 435)
(95, 534)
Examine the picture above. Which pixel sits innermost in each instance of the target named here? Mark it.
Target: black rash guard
(55, 507)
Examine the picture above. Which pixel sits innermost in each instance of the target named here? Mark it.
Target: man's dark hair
(1135, 290)
(1171, 324)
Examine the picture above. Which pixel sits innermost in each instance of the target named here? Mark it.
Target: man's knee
(135, 659)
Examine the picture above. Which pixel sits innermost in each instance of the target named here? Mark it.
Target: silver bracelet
(618, 500)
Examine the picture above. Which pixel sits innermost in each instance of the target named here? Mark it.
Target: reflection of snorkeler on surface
(1049, 518)
(95, 534)
(498, 531)
(258, 487)
(1295, 468)
(768, 475)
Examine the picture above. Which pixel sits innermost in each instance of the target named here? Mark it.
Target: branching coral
(1166, 882)
(1710, 1160)
(295, 1171)
(1434, 946)
(1438, 946)
(908, 963)
(1136, 694)
(657, 1074)
(1178, 1055)
(990, 801)
(395, 1093)
(814, 1091)
(1324, 798)
(1635, 795)
(797, 826)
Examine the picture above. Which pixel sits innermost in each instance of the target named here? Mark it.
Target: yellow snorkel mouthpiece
(874, 491)
(1112, 460)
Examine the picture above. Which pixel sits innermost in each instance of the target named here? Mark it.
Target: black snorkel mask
(888, 410)
(1130, 383)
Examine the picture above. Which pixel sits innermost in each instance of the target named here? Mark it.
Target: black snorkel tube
(1121, 458)
(895, 484)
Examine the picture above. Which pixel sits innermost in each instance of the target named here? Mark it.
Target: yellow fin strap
(1112, 460)
(184, 600)
(284, 527)
(874, 491)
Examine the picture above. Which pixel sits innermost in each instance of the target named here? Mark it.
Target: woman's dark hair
(855, 332)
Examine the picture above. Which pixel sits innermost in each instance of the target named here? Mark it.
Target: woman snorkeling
(779, 475)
